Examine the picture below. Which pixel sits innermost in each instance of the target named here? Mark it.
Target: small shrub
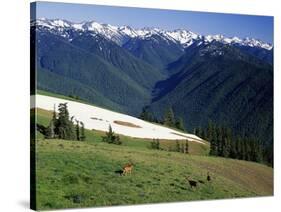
(111, 138)
(155, 144)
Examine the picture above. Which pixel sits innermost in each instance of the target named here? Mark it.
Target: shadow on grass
(119, 172)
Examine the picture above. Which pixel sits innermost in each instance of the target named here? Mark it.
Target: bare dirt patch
(127, 124)
(94, 118)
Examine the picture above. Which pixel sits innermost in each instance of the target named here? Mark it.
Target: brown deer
(192, 183)
(127, 168)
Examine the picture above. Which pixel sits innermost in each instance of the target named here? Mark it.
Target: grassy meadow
(73, 174)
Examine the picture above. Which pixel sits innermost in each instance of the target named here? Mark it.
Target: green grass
(74, 174)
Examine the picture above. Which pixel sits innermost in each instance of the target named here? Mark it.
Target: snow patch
(104, 118)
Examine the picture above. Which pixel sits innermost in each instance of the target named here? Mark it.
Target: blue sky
(260, 27)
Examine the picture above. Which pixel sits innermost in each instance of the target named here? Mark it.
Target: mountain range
(202, 77)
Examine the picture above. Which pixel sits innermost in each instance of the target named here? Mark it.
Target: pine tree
(109, 135)
(117, 140)
(155, 144)
(196, 131)
(239, 153)
(51, 129)
(226, 147)
(146, 115)
(54, 117)
(226, 140)
(202, 134)
(256, 151)
(111, 138)
(71, 130)
(178, 147)
(233, 149)
(64, 123)
(210, 131)
(267, 154)
(152, 144)
(243, 150)
(213, 147)
(180, 124)
(186, 147)
(77, 130)
(219, 141)
(169, 118)
(83, 136)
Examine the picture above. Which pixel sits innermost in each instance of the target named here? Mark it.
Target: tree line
(224, 144)
(168, 120)
(182, 147)
(62, 126)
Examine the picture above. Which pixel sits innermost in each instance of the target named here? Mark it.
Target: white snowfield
(99, 119)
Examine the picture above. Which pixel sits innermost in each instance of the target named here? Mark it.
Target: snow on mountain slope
(99, 119)
(184, 37)
(121, 34)
(235, 40)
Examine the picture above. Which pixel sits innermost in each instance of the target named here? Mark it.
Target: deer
(208, 177)
(127, 168)
(192, 183)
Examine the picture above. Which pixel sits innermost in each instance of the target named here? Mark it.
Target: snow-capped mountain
(121, 34)
(125, 69)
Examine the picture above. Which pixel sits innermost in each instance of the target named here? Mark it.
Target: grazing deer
(127, 169)
(208, 177)
(192, 183)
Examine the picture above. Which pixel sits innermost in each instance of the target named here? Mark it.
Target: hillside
(155, 50)
(76, 174)
(99, 119)
(126, 63)
(126, 69)
(219, 83)
(103, 82)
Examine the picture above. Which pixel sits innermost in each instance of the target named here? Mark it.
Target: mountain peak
(121, 34)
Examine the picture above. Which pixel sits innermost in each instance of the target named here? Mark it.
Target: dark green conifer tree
(186, 147)
(77, 130)
(146, 115)
(111, 138)
(169, 118)
(64, 124)
(82, 136)
(178, 147)
(180, 124)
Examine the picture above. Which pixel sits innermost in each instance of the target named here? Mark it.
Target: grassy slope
(44, 117)
(82, 174)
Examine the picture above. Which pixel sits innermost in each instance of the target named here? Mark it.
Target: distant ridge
(120, 35)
